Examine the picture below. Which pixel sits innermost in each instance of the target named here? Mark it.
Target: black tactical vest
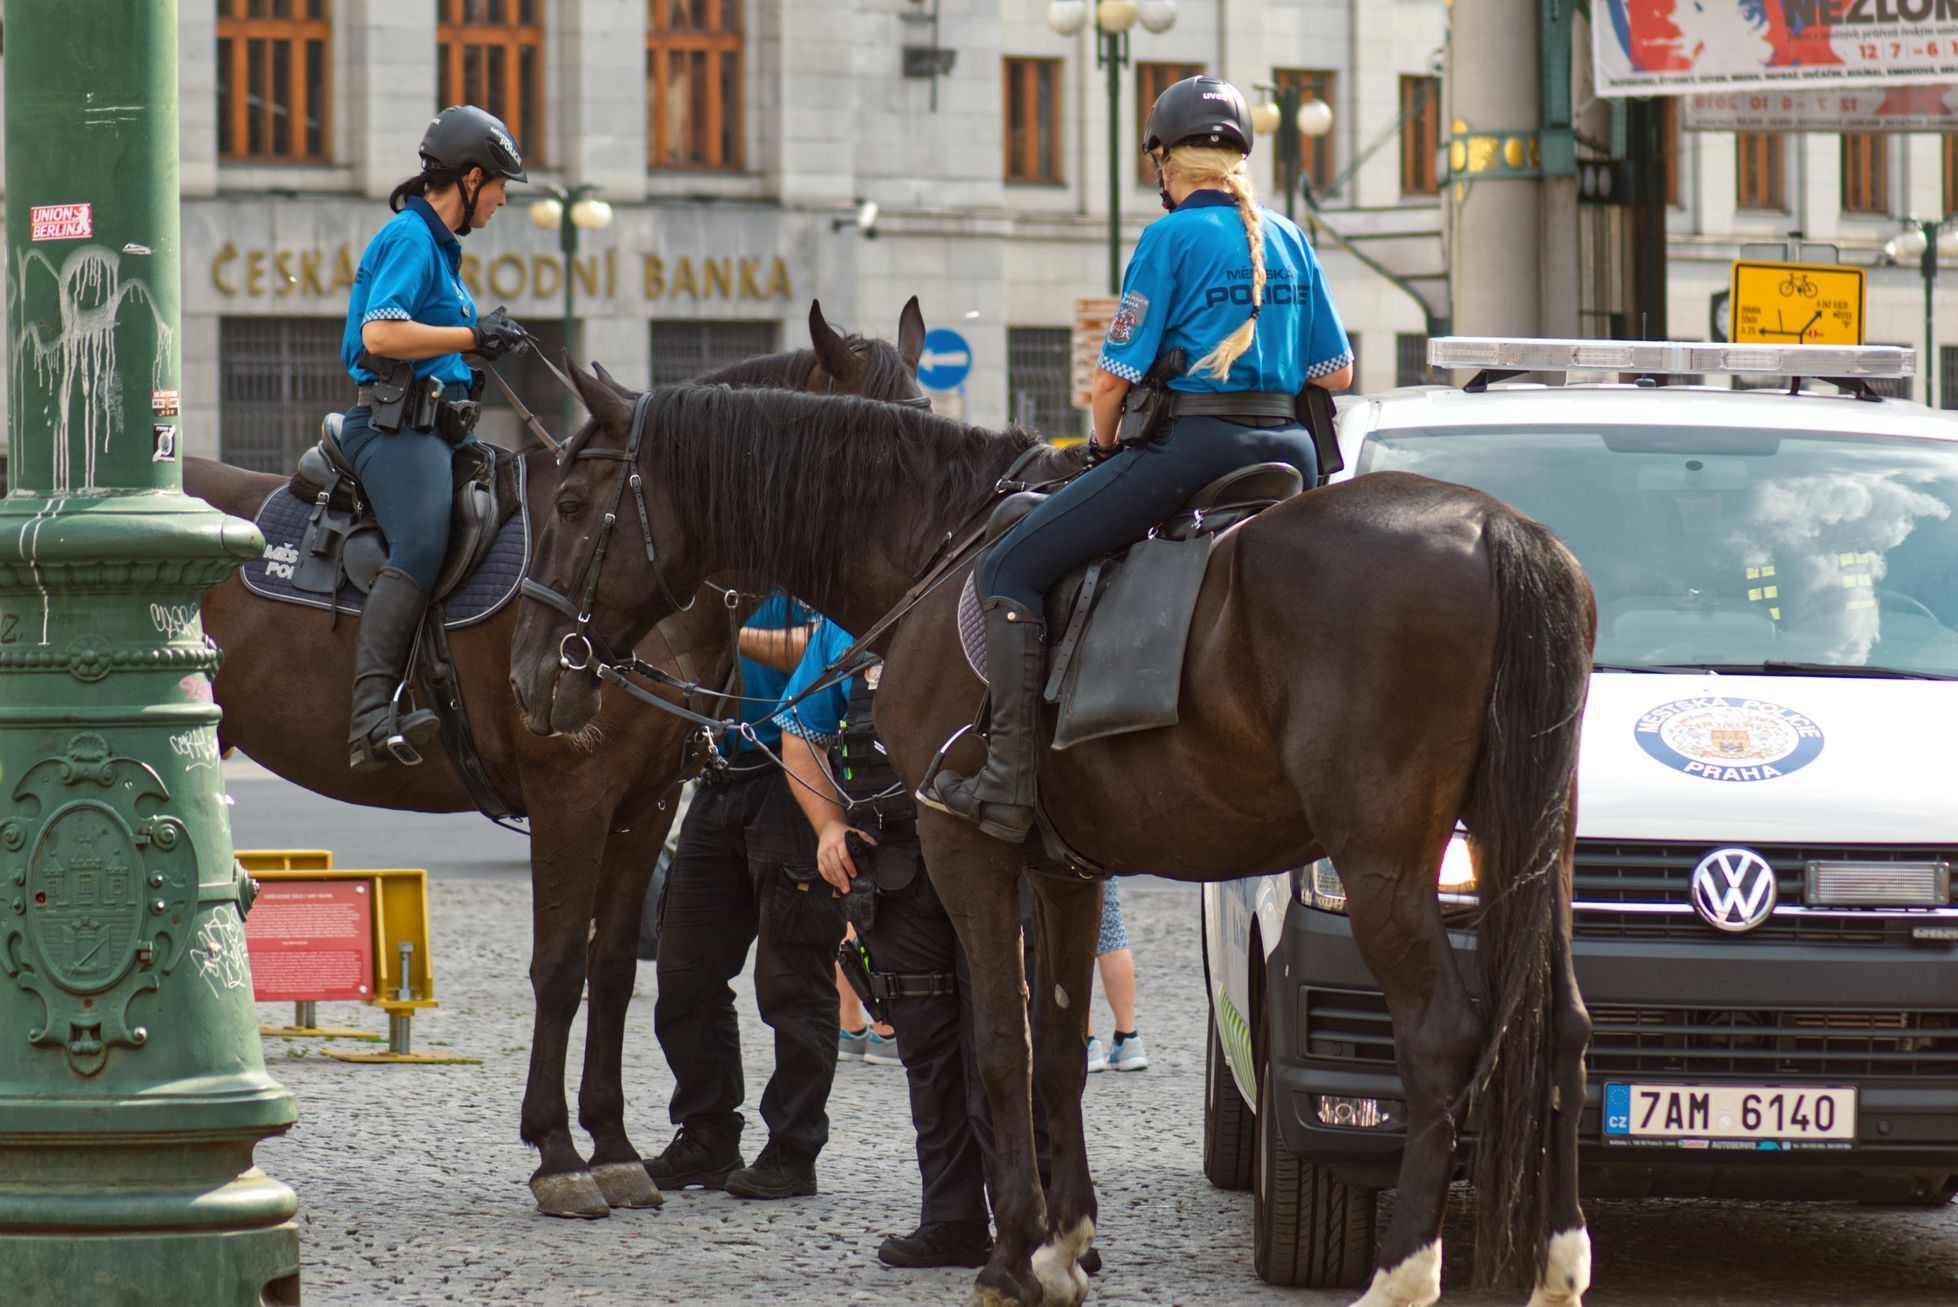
(862, 770)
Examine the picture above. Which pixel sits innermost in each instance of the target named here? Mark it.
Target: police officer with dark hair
(1221, 280)
(409, 322)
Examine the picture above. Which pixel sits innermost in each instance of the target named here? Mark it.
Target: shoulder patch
(1128, 316)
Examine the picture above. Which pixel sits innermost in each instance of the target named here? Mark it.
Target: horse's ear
(611, 380)
(834, 352)
(911, 334)
(601, 398)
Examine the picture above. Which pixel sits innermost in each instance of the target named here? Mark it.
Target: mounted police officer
(1221, 280)
(409, 322)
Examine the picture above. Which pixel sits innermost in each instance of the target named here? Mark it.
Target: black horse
(1369, 666)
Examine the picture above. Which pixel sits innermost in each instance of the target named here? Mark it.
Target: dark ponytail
(428, 179)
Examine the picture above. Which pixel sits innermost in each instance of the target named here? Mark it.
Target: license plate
(1634, 1111)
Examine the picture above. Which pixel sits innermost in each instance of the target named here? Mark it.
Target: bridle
(585, 585)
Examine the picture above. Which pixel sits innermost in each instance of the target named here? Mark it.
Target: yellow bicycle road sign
(1797, 304)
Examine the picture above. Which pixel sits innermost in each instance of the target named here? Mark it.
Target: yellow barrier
(257, 860)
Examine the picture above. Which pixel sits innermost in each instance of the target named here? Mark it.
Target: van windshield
(1731, 549)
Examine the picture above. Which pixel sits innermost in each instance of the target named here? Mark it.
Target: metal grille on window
(277, 377)
(685, 348)
(1948, 376)
(1040, 383)
(1411, 360)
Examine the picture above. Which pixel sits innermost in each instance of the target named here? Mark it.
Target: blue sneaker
(1129, 1055)
(1097, 1055)
(881, 1050)
(850, 1047)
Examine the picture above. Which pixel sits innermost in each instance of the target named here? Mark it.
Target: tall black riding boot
(382, 643)
(999, 797)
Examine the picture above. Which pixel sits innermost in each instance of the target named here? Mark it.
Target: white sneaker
(881, 1050)
(1129, 1055)
(1097, 1055)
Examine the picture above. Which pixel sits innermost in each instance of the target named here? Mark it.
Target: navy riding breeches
(405, 475)
(1113, 505)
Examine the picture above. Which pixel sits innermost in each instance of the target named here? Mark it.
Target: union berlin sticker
(60, 222)
(1729, 739)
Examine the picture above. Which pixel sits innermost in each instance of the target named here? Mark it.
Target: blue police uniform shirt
(411, 271)
(818, 718)
(1188, 285)
(762, 688)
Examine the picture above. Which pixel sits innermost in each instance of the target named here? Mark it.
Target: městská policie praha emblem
(1728, 738)
(101, 899)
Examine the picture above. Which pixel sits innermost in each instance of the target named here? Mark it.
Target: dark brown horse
(1370, 664)
(284, 690)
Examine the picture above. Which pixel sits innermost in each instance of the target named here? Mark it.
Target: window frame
(1864, 184)
(1152, 78)
(721, 123)
(1771, 149)
(1037, 68)
(238, 29)
(1950, 143)
(1315, 152)
(1419, 179)
(456, 34)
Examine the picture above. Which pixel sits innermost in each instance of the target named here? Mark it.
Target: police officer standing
(410, 319)
(1224, 281)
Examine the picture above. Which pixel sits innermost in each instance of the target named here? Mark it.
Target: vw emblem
(1733, 889)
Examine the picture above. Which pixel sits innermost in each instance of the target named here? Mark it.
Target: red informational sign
(60, 222)
(312, 939)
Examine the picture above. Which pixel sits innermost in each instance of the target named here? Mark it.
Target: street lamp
(1310, 115)
(1113, 19)
(1924, 239)
(572, 210)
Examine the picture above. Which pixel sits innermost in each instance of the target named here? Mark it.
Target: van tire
(1229, 1126)
(1307, 1229)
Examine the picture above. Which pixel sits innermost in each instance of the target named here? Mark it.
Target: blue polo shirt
(762, 687)
(411, 271)
(1188, 285)
(818, 718)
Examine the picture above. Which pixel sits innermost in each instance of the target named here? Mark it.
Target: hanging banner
(1931, 107)
(1661, 47)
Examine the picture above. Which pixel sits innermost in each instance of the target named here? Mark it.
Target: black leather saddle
(1230, 499)
(343, 541)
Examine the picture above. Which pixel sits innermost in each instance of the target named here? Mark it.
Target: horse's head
(612, 560)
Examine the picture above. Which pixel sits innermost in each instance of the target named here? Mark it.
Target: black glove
(498, 334)
(1096, 454)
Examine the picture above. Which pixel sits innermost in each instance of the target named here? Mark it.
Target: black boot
(999, 797)
(939, 1243)
(388, 625)
(695, 1157)
(777, 1173)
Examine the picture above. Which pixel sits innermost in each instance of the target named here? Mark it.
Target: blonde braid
(1219, 168)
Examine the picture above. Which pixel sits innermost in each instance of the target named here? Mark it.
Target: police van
(1765, 929)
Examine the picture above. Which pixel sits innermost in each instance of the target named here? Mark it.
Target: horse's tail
(1521, 814)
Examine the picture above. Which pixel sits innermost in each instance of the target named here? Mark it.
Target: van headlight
(1321, 887)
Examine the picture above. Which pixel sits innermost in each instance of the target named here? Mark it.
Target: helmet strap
(469, 198)
(1162, 185)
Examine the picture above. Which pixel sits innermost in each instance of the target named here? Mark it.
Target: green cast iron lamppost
(1113, 19)
(570, 211)
(132, 1086)
(1924, 240)
(1291, 106)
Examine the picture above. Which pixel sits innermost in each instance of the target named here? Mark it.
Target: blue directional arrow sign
(946, 360)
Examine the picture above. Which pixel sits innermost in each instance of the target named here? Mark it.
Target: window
(1951, 172)
(491, 53)
(685, 348)
(1865, 177)
(274, 80)
(1040, 381)
(1669, 143)
(1757, 171)
(1420, 134)
(277, 377)
(1948, 376)
(1315, 152)
(1411, 361)
(1151, 80)
(1033, 120)
(693, 84)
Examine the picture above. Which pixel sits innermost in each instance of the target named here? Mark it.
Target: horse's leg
(613, 967)
(1066, 916)
(1437, 1036)
(1567, 1261)
(565, 852)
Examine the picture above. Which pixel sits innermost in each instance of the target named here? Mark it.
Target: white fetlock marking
(1416, 1282)
(1056, 1265)
(1566, 1270)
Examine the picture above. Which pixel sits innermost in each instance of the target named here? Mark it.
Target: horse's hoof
(570, 1194)
(626, 1184)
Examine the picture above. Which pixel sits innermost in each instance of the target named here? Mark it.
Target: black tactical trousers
(745, 873)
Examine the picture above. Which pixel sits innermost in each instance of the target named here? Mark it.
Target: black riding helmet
(462, 137)
(1200, 111)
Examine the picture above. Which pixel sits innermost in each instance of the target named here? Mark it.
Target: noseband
(586, 582)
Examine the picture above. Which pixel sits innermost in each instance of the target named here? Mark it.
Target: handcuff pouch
(1148, 410)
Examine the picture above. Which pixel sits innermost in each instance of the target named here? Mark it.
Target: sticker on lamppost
(1796, 304)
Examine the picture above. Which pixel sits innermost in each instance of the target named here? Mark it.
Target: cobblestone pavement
(412, 1190)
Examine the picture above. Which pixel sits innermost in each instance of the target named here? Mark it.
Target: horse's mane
(794, 489)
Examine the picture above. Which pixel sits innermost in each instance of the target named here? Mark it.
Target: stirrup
(398, 744)
(931, 773)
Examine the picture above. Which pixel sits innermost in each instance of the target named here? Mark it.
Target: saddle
(343, 544)
(1126, 616)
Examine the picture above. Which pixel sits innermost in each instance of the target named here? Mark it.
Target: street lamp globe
(592, 214)
(1264, 118)
(1315, 118)
(1158, 15)
(1948, 239)
(1907, 244)
(1067, 16)
(1115, 15)
(547, 214)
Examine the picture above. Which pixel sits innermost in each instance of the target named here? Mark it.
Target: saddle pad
(482, 594)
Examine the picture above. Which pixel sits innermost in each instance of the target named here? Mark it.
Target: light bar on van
(1670, 358)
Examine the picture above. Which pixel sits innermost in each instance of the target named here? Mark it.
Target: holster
(1314, 409)
(1148, 408)
(854, 960)
(393, 387)
(455, 419)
